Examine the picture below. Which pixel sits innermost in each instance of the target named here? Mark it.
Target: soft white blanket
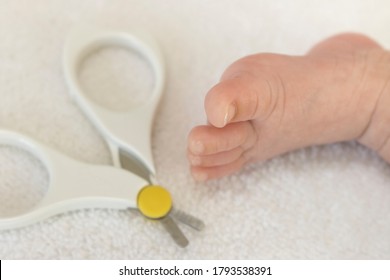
(330, 202)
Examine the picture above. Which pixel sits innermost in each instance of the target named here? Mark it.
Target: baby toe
(218, 159)
(202, 174)
(248, 90)
(208, 140)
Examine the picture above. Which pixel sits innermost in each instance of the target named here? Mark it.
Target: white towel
(330, 202)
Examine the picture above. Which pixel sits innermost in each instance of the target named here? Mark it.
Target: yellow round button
(154, 202)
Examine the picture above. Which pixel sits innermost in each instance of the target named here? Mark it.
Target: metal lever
(155, 203)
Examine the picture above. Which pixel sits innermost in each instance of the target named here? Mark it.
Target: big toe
(239, 98)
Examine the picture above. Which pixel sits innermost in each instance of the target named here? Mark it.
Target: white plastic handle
(73, 185)
(129, 130)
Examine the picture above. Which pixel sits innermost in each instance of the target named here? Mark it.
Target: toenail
(230, 112)
(200, 176)
(197, 147)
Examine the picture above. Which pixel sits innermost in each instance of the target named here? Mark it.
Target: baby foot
(268, 104)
